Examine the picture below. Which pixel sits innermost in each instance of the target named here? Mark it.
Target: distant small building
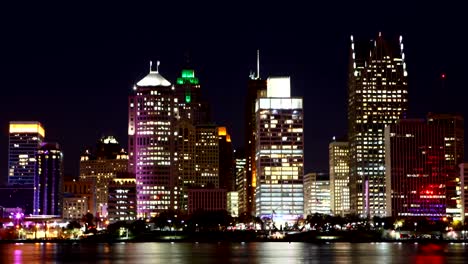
(83, 190)
(74, 208)
(233, 203)
(206, 199)
(317, 193)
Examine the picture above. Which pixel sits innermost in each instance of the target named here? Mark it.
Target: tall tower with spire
(151, 142)
(256, 88)
(377, 97)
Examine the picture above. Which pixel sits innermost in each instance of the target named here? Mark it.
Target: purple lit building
(48, 180)
(151, 130)
(418, 170)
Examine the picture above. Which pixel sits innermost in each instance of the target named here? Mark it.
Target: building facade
(420, 171)
(415, 170)
(122, 199)
(256, 88)
(152, 144)
(317, 198)
(377, 97)
(74, 208)
(206, 199)
(101, 166)
(25, 137)
(279, 153)
(241, 179)
(339, 177)
(48, 180)
(452, 126)
(82, 190)
(464, 189)
(233, 203)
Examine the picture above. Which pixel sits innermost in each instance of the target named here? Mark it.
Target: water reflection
(270, 252)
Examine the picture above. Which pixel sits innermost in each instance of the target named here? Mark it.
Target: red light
(443, 75)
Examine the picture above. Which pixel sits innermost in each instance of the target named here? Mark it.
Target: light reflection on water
(266, 252)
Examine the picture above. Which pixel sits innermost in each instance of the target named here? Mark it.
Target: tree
(88, 220)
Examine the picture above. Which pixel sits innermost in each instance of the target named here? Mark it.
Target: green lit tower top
(188, 93)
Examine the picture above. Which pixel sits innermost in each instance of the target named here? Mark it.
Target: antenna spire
(151, 65)
(258, 64)
(157, 66)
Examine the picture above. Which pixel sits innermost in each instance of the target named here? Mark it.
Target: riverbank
(243, 236)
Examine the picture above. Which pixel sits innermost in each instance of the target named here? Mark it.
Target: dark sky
(72, 67)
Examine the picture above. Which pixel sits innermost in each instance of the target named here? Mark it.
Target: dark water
(266, 252)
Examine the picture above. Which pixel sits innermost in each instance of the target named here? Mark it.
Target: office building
(377, 97)
(233, 203)
(279, 153)
(256, 88)
(122, 199)
(206, 199)
(339, 176)
(317, 197)
(100, 166)
(241, 179)
(420, 170)
(79, 190)
(190, 104)
(452, 126)
(25, 137)
(48, 180)
(226, 162)
(464, 190)
(74, 208)
(152, 144)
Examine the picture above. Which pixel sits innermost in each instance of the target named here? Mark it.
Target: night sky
(73, 67)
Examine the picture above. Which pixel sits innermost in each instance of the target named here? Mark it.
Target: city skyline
(78, 89)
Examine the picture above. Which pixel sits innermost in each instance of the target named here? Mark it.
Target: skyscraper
(101, 166)
(416, 170)
(279, 153)
(377, 97)
(452, 126)
(189, 99)
(256, 88)
(48, 180)
(207, 156)
(25, 137)
(151, 141)
(339, 176)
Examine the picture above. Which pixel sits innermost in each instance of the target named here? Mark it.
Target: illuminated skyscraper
(256, 88)
(207, 156)
(416, 170)
(377, 97)
(452, 126)
(279, 153)
(152, 138)
(189, 99)
(100, 167)
(339, 177)
(48, 180)
(24, 140)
